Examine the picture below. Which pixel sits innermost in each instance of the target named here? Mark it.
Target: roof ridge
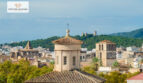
(106, 41)
(67, 40)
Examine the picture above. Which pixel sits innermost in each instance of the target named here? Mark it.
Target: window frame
(65, 60)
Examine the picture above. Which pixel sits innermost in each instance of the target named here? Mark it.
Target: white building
(132, 49)
(83, 54)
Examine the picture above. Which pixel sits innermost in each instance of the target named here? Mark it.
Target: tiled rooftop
(137, 77)
(106, 41)
(67, 77)
(67, 40)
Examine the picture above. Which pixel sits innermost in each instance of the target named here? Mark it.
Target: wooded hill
(138, 33)
(89, 41)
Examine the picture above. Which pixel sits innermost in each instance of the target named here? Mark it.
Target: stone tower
(95, 33)
(67, 53)
(85, 34)
(106, 52)
(82, 34)
(28, 45)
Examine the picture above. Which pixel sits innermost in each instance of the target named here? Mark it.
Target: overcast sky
(49, 18)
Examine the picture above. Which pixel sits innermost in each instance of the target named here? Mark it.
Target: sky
(50, 17)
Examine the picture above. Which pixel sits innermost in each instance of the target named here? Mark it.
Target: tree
(21, 71)
(89, 70)
(88, 41)
(95, 62)
(115, 64)
(117, 77)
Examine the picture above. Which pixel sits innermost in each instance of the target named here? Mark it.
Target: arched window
(80, 58)
(102, 46)
(74, 60)
(83, 57)
(100, 55)
(65, 60)
(109, 46)
(99, 47)
(112, 47)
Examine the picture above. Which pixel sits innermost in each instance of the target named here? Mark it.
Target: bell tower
(106, 52)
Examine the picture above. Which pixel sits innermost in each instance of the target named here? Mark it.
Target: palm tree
(95, 62)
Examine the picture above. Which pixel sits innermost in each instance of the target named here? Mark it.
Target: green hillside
(89, 41)
(133, 34)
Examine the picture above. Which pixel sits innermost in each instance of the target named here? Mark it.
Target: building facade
(106, 52)
(67, 53)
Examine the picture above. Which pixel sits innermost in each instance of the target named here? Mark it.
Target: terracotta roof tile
(106, 41)
(137, 77)
(67, 77)
(67, 40)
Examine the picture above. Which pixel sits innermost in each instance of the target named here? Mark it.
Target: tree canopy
(115, 64)
(111, 77)
(89, 41)
(19, 72)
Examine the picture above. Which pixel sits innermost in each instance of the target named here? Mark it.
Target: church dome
(67, 40)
